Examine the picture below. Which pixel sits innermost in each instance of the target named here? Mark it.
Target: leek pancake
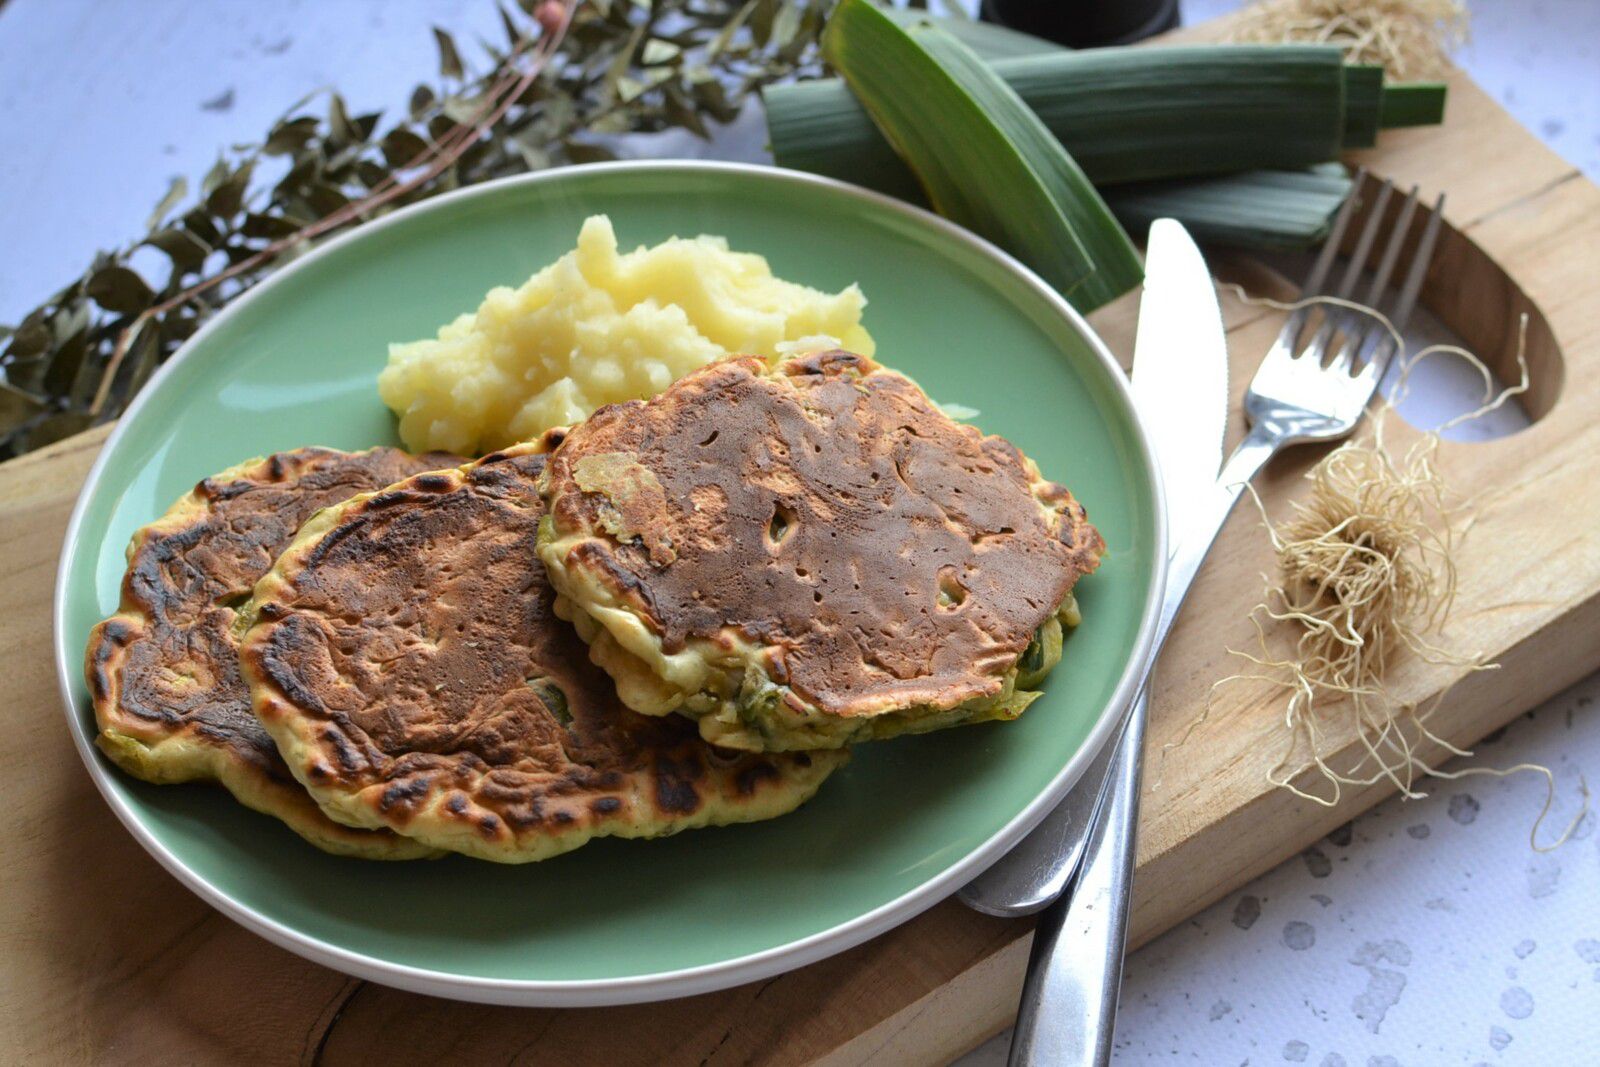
(812, 557)
(406, 658)
(163, 672)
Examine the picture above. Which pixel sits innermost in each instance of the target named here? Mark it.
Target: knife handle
(1069, 999)
(1069, 1003)
(1038, 869)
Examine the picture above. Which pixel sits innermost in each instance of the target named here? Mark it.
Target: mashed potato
(596, 327)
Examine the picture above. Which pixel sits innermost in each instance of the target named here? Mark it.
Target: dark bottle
(1084, 23)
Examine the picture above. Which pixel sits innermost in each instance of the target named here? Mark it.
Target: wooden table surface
(110, 960)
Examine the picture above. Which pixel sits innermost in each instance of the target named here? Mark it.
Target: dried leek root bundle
(1411, 39)
(1366, 575)
(1365, 572)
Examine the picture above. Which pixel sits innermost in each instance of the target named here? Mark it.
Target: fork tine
(1330, 247)
(1344, 358)
(1319, 271)
(1318, 276)
(1391, 252)
(1384, 349)
(1334, 317)
(1419, 267)
(1369, 233)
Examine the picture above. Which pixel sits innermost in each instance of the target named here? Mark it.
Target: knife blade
(1180, 354)
(1069, 1001)
(1180, 368)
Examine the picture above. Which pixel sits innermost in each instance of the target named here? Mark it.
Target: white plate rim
(664, 985)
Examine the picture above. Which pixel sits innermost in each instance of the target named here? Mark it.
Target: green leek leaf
(982, 157)
(1125, 114)
(1253, 209)
(1363, 104)
(1412, 104)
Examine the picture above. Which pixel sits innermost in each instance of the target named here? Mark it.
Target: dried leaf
(682, 112)
(325, 199)
(16, 407)
(370, 174)
(732, 26)
(186, 251)
(341, 130)
(786, 24)
(533, 155)
(657, 52)
(761, 21)
(624, 59)
(450, 65)
(290, 136)
(579, 152)
(71, 319)
(175, 193)
(226, 199)
(421, 100)
(68, 360)
(270, 227)
(30, 340)
(214, 177)
(710, 95)
(461, 111)
(514, 33)
(119, 289)
(199, 223)
(401, 146)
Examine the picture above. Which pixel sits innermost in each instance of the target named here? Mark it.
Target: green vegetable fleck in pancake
(164, 671)
(406, 658)
(811, 557)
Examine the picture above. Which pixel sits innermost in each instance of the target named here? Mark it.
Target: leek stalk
(1125, 114)
(982, 158)
(1137, 114)
(1253, 209)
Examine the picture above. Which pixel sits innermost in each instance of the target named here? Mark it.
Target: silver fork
(1069, 1001)
(1299, 394)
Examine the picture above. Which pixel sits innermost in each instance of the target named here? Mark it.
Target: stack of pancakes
(674, 615)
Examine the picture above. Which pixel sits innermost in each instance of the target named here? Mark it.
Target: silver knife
(1180, 386)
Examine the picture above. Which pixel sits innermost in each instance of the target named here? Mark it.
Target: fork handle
(1068, 1011)
(1210, 511)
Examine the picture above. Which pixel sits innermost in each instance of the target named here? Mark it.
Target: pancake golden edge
(731, 684)
(164, 755)
(457, 800)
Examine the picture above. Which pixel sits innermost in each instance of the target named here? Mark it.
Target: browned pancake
(164, 671)
(407, 660)
(809, 557)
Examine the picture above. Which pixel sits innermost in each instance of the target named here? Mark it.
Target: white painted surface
(1454, 945)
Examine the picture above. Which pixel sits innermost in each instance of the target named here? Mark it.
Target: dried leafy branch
(564, 79)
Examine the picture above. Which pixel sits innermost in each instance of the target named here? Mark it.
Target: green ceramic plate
(294, 362)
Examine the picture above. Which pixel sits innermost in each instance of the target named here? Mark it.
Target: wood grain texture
(109, 960)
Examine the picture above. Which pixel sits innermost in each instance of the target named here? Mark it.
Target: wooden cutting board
(109, 960)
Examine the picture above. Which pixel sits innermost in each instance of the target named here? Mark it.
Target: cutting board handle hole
(1468, 299)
